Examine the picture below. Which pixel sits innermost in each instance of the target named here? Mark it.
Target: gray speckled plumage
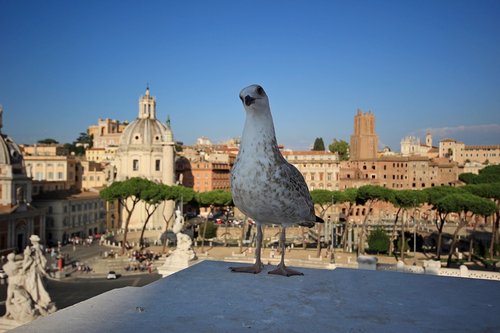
(264, 185)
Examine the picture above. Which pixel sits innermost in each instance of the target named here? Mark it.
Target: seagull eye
(260, 91)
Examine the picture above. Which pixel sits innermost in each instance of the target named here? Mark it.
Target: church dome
(146, 132)
(146, 129)
(9, 151)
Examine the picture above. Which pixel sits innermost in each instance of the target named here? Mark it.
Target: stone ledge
(207, 297)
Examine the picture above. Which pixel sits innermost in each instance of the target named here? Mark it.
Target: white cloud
(469, 134)
(464, 129)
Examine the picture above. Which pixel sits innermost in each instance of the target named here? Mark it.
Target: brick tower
(364, 141)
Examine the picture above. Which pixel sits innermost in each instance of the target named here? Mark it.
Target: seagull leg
(258, 266)
(282, 269)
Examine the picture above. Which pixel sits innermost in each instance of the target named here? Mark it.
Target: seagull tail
(310, 224)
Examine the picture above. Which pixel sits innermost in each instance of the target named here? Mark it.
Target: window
(157, 165)
(59, 175)
(135, 165)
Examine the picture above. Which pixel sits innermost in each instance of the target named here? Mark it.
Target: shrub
(378, 241)
(211, 231)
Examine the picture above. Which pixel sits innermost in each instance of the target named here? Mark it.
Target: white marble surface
(209, 298)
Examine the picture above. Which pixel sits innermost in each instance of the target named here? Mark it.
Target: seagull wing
(293, 194)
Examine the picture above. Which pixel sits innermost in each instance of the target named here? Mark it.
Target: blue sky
(418, 65)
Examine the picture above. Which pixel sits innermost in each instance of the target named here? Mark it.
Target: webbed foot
(285, 271)
(255, 269)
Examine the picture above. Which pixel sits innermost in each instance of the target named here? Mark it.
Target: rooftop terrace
(207, 297)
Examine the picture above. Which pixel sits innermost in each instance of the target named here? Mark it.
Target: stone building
(458, 152)
(399, 172)
(52, 172)
(319, 168)
(93, 175)
(72, 214)
(146, 149)
(106, 133)
(411, 145)
(205, 170)
(18, 217)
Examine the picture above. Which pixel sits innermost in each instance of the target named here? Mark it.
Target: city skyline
(418, 67)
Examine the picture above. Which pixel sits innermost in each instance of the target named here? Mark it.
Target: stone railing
(432, 267)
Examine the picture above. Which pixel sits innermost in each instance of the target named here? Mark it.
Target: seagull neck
(259, 129)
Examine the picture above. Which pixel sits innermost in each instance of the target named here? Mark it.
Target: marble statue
(184, 242)
(183, 253)
(27, 297)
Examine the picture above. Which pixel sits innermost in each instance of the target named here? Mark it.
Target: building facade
(321, 169)
(458, 152)
(411, 145)
(72, 215)
(205, 169)
(106, 133)
(19, 218)
(146, 150)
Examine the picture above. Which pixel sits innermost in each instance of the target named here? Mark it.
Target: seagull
(264, 185)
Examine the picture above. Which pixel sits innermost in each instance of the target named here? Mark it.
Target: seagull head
(253, 97)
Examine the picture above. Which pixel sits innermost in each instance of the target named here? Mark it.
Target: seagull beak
(249, 100)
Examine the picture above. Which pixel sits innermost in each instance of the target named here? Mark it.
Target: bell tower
(147, 106)
(428, 139)
(364, 141)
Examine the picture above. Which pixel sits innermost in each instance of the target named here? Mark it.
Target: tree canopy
(340, 147)
(48, 141)
(319, 145)
(373, 193)
(408, 198)
(215, 198)
(128, 192)
(489, 174)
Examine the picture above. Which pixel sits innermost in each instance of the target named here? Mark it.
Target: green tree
(489, 174)
(210, 230)
(340, 147)
(48, 141)
(216, 198)
(347, 197)
(367, 195)
(404, 200)
(85, 139)
(378, 241)
(128, 194)
(464, 203)
(490, 191)
(467, 177)
(323, 199)
(153, 195)
(72, 148)
(433, 196)
(319, 145)
(181, 195)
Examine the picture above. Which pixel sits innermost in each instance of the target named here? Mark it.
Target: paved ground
(87, 253)
(208, 297)
(71, 291)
